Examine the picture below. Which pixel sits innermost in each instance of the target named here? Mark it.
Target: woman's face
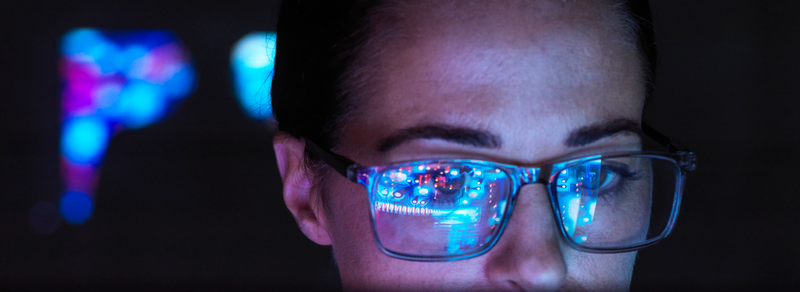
(535, 77)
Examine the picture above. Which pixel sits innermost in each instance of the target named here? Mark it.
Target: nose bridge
(529, 252)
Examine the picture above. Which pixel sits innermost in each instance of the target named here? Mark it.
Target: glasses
(441, 210)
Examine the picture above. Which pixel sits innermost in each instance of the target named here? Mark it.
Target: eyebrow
(592, 133)
(460, 135)
(478, 138)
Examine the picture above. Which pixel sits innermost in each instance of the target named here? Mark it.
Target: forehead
(528, 71)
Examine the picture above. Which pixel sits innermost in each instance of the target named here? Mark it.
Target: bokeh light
(84, 139)
(113, 80)
(252, 61)
(76, 207)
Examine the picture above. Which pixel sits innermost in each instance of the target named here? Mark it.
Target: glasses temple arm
(339, 163)
(672, 145)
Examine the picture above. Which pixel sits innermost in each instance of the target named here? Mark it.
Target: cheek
(348, 220)
(602, 272)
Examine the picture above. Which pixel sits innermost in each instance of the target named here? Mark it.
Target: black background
(194, 200)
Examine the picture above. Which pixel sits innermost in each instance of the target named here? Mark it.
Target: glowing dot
(479, 188)
(472, 195)
(421, 167)
(477, 172)
(75, 207)
(464, 202)
(583, 238)
(397, 176)
(497, 219)
(384, 192)
(140, 103)
(566, 227)
(84, 140)
(564, 171)
(428, 168)
(423, 191)
(398, 194)
(453, 172)
(585, 219)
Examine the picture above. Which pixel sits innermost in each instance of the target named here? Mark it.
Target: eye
(595, 175)
(606, 177)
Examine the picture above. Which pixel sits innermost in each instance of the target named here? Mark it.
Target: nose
(528, 255)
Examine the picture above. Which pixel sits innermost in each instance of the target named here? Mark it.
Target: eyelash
(622, 180)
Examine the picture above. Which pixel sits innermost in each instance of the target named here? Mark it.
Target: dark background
(194, 201)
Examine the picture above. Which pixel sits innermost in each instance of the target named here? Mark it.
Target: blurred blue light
(76, 207)
(84, 139)
(252, 61)
(141, 75)
(181, 83)
(107, 57)
(140, 104)
(125, 58)
(83, 41)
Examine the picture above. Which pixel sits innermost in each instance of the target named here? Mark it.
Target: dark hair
(318, 45)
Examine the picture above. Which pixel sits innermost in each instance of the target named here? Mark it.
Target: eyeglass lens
(616, 202)
(440, 209)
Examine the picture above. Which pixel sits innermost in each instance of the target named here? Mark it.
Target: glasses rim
(544, 173)
(684, 159)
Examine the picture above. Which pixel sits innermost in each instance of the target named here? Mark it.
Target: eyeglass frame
(685, 159)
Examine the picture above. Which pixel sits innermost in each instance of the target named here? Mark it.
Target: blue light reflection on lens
(577, 197)
(465, 201)
(252, 61)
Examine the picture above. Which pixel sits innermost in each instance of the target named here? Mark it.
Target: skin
(529, 74)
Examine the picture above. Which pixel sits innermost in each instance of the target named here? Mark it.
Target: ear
(298, 194)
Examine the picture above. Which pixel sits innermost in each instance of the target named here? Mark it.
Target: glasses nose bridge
(531, 175)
